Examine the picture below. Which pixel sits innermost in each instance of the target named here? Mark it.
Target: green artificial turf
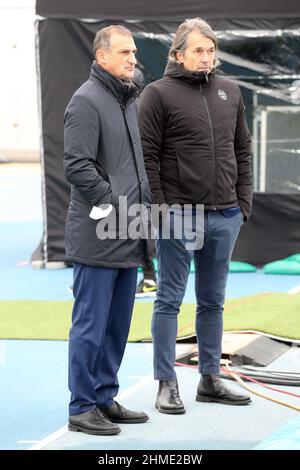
(274, 314)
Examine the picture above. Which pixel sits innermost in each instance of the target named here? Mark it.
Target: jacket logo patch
(222, 95)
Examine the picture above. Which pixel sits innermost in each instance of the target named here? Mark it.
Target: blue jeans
(100, 325)
(211, 268)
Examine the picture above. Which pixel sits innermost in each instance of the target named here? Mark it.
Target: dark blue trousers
(100, 325)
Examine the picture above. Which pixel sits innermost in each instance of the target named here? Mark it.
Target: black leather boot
(212, 388)
(168, 399)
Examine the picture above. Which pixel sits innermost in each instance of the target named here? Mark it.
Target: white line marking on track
(60, 432)
(47, 440)
(294, 290)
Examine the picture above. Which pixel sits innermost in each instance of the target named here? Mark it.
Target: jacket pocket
(114, 191)
(195, 176)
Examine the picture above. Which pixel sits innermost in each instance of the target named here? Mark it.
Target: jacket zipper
(213, 150)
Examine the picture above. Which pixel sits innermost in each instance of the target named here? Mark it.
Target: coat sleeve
(81, 139)
(151, 123)
(242, 147)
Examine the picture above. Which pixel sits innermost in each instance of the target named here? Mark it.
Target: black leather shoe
(168, 400)
(93, 422)
(212, 388)
(118, 414)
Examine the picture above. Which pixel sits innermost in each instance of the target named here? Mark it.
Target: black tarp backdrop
(64, 55)
(225, 14)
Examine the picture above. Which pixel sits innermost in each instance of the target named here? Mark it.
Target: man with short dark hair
(196, 148)
(103, 161)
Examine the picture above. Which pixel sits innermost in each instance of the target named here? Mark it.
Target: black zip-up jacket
(103, 160)
(195, 141)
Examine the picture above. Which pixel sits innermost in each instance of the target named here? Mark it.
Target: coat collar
(124, 91)
(176, 70)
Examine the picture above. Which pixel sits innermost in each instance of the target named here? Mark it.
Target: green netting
(289, 265)
(235, 267)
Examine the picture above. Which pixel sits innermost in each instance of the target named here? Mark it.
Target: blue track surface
(286, 438)
(34, 393)
(36, 397)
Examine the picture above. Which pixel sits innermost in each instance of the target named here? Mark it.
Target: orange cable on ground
(275, 400)
(262, 384)
(180, 364)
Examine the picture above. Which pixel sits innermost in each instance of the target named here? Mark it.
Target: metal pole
(255, 140)
(263, 152)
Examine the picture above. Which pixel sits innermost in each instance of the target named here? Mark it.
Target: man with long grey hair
(196, 148)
